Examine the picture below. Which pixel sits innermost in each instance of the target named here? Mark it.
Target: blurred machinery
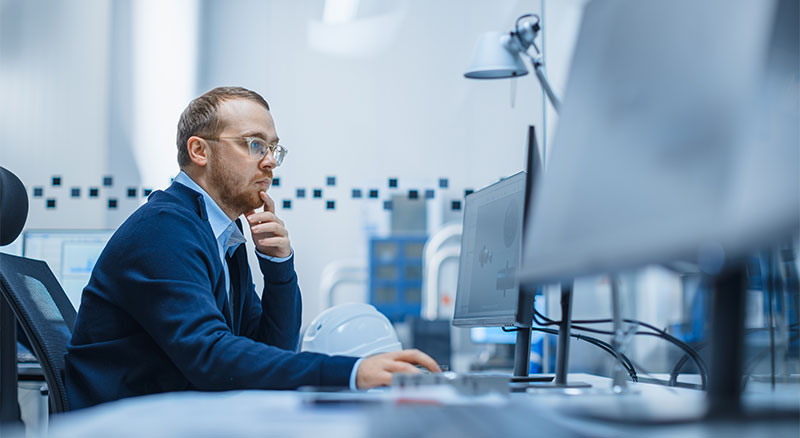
(444, 245)
(395, 280)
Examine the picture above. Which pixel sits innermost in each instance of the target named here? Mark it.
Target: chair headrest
(13, 206)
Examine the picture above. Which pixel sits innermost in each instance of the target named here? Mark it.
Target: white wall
(397, 108)
(54, 86)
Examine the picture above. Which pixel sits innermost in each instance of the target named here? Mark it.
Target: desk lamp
(498, 55)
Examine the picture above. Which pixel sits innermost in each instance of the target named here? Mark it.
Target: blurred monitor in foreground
(491, 241)
(678, 139)
(71, 255)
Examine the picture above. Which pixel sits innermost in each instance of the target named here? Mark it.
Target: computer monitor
(491, 250)
(71, 255)
(677, 140)
(669, 146)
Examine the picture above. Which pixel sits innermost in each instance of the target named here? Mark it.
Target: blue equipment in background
(395, 280)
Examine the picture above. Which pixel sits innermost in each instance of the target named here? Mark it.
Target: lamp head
(496, 56)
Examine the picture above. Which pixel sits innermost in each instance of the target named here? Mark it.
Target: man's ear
(198, 150)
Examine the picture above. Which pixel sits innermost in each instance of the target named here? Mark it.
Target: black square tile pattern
(56, 181)
(112, 203)
(330, 205)
(276, 182)
(443, 183)
(38, 192)
(330, 181)
(75, 192)
(373, 194)
(301, 193)
(317, 193)
(455, 205)
(131, 192)
(94, 192)
(51, 203)
(392, 183)
(108, 181)
(287, 203)
(413, 194)
(356, 193)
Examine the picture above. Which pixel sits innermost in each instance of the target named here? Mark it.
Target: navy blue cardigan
(155, 315)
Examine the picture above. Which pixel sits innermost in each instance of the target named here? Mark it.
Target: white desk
(437, 412)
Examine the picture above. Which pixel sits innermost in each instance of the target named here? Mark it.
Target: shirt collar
(225, 230)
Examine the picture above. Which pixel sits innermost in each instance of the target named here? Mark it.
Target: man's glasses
(259, 148)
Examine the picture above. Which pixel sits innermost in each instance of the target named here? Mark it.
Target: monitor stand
(727, 345)
(521, 380)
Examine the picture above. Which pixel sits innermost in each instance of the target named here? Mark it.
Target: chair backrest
(45, 314)
(33, 294)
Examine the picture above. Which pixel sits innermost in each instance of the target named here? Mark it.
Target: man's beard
(236, 195)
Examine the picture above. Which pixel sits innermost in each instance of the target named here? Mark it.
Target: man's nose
(268, 161)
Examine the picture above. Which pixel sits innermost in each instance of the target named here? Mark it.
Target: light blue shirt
(229, 238)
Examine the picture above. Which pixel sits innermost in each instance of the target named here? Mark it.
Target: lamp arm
(525, 36)
(538, 66)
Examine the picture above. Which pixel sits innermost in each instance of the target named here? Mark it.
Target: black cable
(756, 360)
(626, 363)
(661, 332)
(701, 365)
(673, 376)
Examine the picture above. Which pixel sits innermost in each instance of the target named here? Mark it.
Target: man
(171, 305)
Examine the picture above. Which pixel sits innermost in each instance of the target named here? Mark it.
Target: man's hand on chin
(269, 233)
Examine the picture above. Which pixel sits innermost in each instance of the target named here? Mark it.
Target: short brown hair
(200, 116)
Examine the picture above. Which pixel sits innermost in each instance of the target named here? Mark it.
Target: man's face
(235, 175)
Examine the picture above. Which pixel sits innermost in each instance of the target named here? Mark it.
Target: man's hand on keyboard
(377, 370)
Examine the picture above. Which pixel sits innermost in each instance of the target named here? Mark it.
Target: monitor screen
(71, 255)
(491, 247)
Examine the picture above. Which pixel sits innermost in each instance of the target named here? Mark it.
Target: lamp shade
(495, 57)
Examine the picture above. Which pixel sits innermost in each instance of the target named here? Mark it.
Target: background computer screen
(490, 254)
(71, 255)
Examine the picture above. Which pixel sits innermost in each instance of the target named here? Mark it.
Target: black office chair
(32, 297)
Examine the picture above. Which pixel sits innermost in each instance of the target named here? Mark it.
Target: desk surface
(432, 412)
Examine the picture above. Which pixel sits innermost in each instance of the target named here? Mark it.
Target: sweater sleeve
(275, 318)
(167, 286)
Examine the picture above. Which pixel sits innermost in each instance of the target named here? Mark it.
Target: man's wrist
(354, 375)
(275, 259)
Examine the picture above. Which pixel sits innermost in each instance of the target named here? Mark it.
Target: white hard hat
(352, 329)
